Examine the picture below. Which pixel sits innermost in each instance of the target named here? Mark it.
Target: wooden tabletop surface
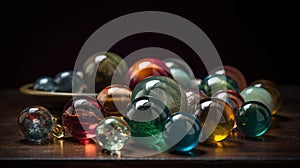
(280, 146)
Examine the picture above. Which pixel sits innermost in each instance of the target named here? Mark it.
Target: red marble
(233, 73)
(81, 116)
(144, 68)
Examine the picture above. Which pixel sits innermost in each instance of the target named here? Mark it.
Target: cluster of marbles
(95, 74)
(158, 102)
(61, 82)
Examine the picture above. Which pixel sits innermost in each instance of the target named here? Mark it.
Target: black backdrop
(259, 38)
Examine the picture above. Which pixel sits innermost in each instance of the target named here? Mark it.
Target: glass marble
(217, 119)
(81, 116)
(45, 83)
(144, 68)
(35, 124)
(100, 68)
(253, 119)
(114, 99)
(146, 116)
(216, 82)
(253, 93)
(65, 81)
(163, 88)
(233, 98)
(273, 89)
(179, 64)
(233, 73)
(182, 78)
(112, 133)
(193, 98)
(182, 131)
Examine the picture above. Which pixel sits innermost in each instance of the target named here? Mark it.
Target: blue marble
(182, 131)
(65, 80)
(45, 83)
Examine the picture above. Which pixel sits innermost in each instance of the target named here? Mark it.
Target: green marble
(253, 119)
(216, 82)
(146, 117)
(163, 88)
(252, 93)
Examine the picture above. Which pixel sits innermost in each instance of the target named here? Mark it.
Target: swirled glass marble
(81, 116)
(146, 117)
(182, 131)
(216, 82)
(144, 68)
(253, 93)
(253, 119)
(273, 89)
(217, 118)
(232, 72)
(100, 68)
(35, 123)
(112, 133)
(114, 99)
(163, 88)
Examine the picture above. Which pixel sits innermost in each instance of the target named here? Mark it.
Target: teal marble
(179, 64)
(253, 119)
(252, 93)
(146, 116)
(182, 78)
(182, 131)
(163, 88)
(216, 82)
(45, 83)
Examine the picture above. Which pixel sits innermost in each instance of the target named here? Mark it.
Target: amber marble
(275, 91)
(144, 68)
(217, 118)
(114, 99)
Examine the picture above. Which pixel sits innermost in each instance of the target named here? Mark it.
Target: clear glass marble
(35, 124)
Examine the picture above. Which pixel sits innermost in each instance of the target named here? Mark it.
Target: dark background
(258, 37)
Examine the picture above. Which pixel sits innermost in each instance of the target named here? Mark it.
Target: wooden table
(280, 146)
